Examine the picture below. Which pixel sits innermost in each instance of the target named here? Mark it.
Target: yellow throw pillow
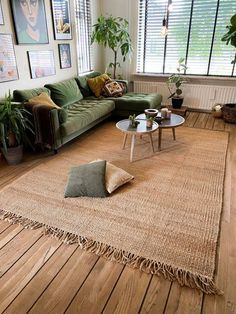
(43, 99)
(115, 176)
(97, 83)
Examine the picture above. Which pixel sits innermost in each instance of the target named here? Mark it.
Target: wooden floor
(38, 274)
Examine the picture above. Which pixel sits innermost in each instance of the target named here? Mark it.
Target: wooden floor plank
(9, 234)
(184, 300)
(191, 119)
(30, 294)
(95, 292)
(16, 248)
(66, 284)
(129, 292)
(210, 122)
(201, 121)
(14, 281)
(156, 297)
(4, 225)
(219, 125)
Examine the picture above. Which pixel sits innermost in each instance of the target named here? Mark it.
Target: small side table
(124, 126)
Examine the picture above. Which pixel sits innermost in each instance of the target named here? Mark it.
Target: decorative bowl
(151, 112)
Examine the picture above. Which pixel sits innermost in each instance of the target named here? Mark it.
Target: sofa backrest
(26, 94)
(65, 93)
(83, 84)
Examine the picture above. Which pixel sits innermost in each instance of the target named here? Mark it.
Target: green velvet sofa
(80, 109)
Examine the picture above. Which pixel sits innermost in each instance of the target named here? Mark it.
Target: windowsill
(191, 79)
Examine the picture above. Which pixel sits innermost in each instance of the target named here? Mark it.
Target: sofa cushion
(65, 93)
(87, 180)
(83, 113)
(26, 94)
(112, 89)
(97, 83)
(137, 102)
(82, 81)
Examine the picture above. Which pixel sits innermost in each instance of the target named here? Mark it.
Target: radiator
(195, 96)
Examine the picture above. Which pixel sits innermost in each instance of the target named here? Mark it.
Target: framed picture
(64, 56)
(8, 68)
(41, 63)
(29, 21)
(1, 15)
(61, 19)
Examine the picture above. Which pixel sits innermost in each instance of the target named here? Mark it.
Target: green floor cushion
(87, 180)
(65, 93)
(137, 102)
(81, 114)
(26, 94)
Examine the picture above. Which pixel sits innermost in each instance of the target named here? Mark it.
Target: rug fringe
(183, 277)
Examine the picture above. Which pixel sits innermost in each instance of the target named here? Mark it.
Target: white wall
(25, 81)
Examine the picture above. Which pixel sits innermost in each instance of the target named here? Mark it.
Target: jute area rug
(166, 221)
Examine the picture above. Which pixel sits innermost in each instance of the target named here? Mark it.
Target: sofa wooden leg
(55, 151)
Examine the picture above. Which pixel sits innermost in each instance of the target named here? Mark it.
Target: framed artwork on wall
(29, 21)
(1, 14)
(61, 19)
(64, 56)
(8, 68)
(41, 63)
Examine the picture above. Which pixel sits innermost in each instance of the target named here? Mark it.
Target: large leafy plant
(14, 124)
(112, 32)
(177, 79)
(230, 36)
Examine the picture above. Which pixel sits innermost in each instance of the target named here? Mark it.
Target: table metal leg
(124, 140)
(159, 138)
(132, 147)
(151, 141)
(173, 131)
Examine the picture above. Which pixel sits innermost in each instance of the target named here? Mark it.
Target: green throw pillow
(65, 93)
(87, 180)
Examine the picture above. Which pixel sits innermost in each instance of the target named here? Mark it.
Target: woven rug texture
(166, 221)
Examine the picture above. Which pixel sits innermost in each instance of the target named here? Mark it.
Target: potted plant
(177, 80)
(133, 122)
(230, 36)
(14, 124)
(149, 121)
(112, 32)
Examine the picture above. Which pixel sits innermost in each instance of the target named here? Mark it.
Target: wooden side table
(141, 129)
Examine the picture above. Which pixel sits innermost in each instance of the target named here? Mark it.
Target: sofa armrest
(125, 82)
(55, 129)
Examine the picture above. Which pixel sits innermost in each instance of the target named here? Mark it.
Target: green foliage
(177, 79)
(112, 32)
(14, 123)
(230, 36)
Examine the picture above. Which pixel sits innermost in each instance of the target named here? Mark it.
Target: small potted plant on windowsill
(176, 80)
(14, 125)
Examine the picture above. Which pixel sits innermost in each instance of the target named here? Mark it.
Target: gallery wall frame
(1, 14)
(30, 22)
(61, 17)
(64, 56)
(8, 66)
(41, 63)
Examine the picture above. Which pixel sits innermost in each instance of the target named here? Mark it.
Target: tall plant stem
(115, 62)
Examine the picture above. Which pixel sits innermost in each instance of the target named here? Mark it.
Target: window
(83, 18)
(195, 28)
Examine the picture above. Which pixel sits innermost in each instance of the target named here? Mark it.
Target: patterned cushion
(112, 89)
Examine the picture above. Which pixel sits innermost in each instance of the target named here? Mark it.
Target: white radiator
(195, 96)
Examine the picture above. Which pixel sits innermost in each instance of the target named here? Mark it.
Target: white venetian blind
(83, 18)
(195, 29)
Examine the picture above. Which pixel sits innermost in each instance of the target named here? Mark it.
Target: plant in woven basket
(230, 36)
(112, 32)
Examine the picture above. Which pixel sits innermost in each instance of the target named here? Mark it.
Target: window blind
(195, 29)
(83, 21)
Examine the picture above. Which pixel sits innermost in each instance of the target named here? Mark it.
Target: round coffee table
(172, 123)
(141, 129)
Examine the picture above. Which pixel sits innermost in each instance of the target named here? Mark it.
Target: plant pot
(149, 123)
(177, 102)
(229, 113)
(13, 155)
